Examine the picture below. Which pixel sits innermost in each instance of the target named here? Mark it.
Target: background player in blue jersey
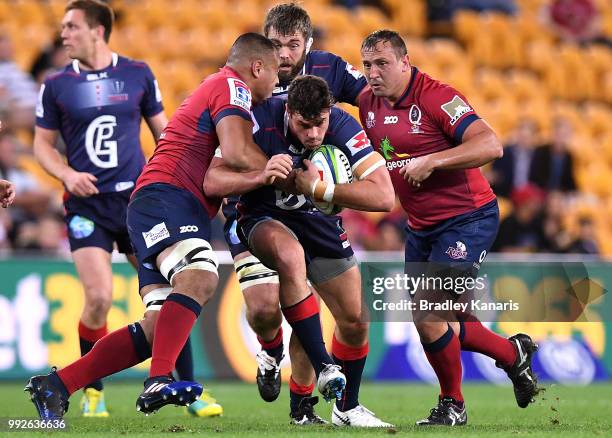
(95, 104)
(290, 236)
(290, 28)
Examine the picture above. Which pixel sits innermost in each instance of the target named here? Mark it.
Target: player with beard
(290, 29)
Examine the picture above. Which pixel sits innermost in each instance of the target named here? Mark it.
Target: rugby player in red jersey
(434, 143)
(169, 225)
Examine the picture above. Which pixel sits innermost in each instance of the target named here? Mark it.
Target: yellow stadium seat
(467, 26)
(410, 18)
(369, 19)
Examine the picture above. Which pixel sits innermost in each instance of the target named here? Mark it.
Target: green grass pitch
(559, 411)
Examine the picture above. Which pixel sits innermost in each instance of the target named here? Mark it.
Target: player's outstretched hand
(305, 179)
(417, 170)
(279, 166)
(81, 183)
(7, 193)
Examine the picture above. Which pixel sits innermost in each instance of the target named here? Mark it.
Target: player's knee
(291, 262)
(353, 330)
(264, 314)
(198, 285)
(98, 303)
(431, 331)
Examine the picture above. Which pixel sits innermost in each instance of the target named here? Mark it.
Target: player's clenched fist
(7, 193)
(80, 183)
(304, 179)
(279, 166)
(417, 170)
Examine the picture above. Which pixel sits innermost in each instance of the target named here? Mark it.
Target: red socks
(476, 337)
(444, 355)
(174, 323)
(113, 353)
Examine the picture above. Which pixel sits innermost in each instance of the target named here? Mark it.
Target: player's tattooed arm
(221, 180)
(7, 193)
(78, 183)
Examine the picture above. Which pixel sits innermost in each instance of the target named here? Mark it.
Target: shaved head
(250, 47)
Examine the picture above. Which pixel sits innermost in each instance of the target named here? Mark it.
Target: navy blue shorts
(158, 216)
(98, 221)
(319, 235)
(461, 242)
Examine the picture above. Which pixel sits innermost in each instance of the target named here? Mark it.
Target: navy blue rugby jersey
(98, 114)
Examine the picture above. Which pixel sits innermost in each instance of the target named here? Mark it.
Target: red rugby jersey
(429, 117)
(188, 143)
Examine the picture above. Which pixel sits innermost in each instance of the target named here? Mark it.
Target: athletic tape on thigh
(155, 299)
(250, 271)
(189, 254)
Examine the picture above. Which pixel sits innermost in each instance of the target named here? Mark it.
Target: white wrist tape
(328, 196)
(314, 186)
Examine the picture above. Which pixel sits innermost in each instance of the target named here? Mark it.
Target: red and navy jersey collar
(409, 88)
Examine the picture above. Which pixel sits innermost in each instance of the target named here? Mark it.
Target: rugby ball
(333, 166)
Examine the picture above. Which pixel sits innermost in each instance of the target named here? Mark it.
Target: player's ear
(257, 67)
(405, 63)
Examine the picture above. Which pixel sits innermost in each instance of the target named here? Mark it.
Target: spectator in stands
(552, 165)
(586, 243)
(17, 88)
(512, 170)
(557, 238)
(577, 21)
(7, 193)
(31, 200)
(522, 230)
(51, 59)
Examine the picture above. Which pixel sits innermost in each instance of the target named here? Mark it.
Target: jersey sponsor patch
(156, 234)
(456, 108)
(81, 227)
(358, 142)
(240, 95)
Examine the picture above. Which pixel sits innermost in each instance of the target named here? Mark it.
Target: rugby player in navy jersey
(168, 219)
(96, 104)
(434, 143)
(293, 238)
(290, 28)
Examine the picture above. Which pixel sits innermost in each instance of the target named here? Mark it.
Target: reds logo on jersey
(357, 142)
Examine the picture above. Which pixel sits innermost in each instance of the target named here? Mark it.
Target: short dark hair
(309, 96)
(287, 19)
(97, 13)
(385, 35)
(249, 46)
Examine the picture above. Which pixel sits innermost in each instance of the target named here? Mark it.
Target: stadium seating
(508, 66)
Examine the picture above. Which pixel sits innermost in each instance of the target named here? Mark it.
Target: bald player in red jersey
(169, 225)
(434, 143)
